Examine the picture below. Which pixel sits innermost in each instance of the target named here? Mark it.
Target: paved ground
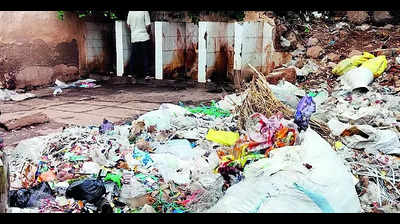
(117, 103)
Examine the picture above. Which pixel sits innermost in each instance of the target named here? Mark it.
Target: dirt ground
(117, 103)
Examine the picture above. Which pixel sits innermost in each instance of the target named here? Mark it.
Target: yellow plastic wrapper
(338, 145)
(350, 63)
(376, 65)
(222, 137)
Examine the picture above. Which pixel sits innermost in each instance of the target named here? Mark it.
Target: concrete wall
(216, 48)
(123, 45)
(36, 48)
(219, 44)
(99, 44)
(191, 51)
(176, 50)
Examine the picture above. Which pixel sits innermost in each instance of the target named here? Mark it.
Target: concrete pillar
(237, 54)
(119, 47)
(268, 46)
(202, 67)
(158, 49)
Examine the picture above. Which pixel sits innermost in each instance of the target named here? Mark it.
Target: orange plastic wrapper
(47, 176)
(29, 176)
(283, 137)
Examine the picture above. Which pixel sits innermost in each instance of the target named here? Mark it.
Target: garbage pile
(180, 159)
(85, 83)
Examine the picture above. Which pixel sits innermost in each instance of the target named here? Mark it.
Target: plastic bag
(106, 126)
(371, 139)
(222, 137)
(270, 185)
(178, 147)
(23, 198)
(89, 189)
(376, 65)
(172, 168)
(305, 109)
(212, 110)
(90, 168)
(116, 178)
(47, 176)
(350, 63)
(261, 129)
(287, 93)
(357, 78)
(159, 118)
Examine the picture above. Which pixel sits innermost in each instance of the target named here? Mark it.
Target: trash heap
(365, 123)
(180, 159)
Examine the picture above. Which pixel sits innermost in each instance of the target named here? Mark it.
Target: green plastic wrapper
(212, 110)
(116, 178)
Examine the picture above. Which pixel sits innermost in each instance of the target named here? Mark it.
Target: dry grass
(260, 99)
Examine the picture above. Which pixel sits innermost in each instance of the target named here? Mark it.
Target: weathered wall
(220, 43)
(173, 49)
(99, 42)
(36, 48)
(176, 50)
(252, 48)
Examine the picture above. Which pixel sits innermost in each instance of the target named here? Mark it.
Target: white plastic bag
(283, 184)
(172, 168)
(357, 78)
(386, 141)
(178, 147)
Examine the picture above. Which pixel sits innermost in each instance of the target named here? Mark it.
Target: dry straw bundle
(260, 99)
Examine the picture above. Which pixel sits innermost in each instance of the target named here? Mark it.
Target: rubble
(381, 17)
(288, 74)
(285, 132)
(18, 123)
(357, 17)
(314, 52)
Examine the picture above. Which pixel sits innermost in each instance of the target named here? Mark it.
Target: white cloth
(137, 21)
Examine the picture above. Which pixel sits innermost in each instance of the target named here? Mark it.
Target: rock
(357, 17)
(363, 27)
(312, 42)
(314, 52)
(333, 57)
(18, 123)
(354, 52)
(388, 27)
(288, 74)
(381, 17)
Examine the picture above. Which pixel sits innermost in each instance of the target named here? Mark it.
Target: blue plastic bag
(305, 108)
(106, 126)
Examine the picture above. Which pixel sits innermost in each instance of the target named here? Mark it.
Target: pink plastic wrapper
(261, 129)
